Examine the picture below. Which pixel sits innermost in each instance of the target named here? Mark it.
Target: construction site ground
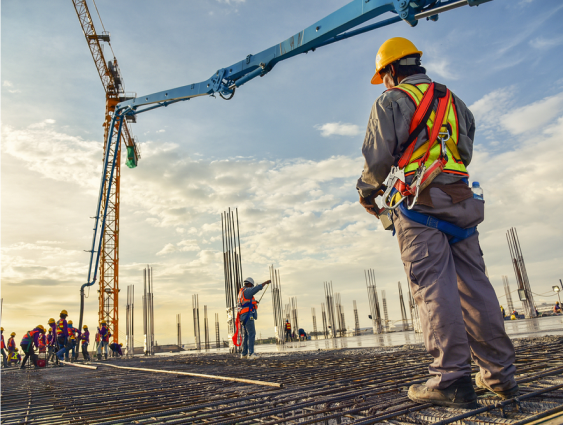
(327, 386)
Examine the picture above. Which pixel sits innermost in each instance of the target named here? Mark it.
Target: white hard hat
(249, 280)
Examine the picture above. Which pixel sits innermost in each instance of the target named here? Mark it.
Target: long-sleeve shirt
(35, 337)
(388, 130)
(64, 331)
(248, 294)
(11, 344)
(104, 333)
(85, 337)
(116, 347)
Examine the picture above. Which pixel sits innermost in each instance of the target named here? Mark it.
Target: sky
(286, 151)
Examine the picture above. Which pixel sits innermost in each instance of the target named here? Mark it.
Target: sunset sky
(286, 151)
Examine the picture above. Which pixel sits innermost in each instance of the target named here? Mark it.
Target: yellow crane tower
(115, 92)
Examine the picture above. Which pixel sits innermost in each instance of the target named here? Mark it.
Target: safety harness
(427, 162)
(244, 306)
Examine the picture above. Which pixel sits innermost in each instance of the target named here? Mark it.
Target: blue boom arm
(335, 27)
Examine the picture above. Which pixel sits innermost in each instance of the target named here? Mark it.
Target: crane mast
(112, 81)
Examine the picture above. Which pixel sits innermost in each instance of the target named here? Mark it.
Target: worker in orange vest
(3, 348)
(30, 340)
(247, 314)
(288, 336)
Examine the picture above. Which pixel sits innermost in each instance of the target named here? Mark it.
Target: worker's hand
(367, 204)
(267, 282)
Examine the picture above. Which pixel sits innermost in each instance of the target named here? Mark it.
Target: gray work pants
(458, 307)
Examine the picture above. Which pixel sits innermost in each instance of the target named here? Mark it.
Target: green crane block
(131, 157)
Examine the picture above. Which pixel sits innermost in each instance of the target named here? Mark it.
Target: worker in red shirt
(3, 347)
(30, 340)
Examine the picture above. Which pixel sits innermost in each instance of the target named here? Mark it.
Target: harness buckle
(444, 137)
(415, 185)
(395, 175)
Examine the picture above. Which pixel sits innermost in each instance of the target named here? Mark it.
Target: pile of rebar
(361, 386)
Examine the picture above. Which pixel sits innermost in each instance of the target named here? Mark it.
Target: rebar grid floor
(361, 386)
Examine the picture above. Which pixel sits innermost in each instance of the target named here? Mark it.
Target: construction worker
(62, 336)
(104, 340)
(557, 308)
(73, 337)
(14, 357)
(29, 340)
(85, 338)
(3, 348)
(502, 311)
(302, 335)
(288, 331)
(116, 349)
(457, 303)
(12, 344)
(248, 315)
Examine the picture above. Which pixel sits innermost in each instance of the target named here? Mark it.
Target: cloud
(337, 128)
(442, 68)
(168, 248)
(7, 83)
(533, 116)
(543, 43)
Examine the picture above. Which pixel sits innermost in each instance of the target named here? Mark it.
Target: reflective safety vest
(28, 338)
(98, 337)
(60, 326)
(454, 164)
(71, 332)
(11, 344)
(14, 356)
(245, 305)
(2, 345)
(287, 326)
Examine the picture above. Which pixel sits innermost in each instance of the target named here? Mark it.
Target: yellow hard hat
(70, 322)
(84, 327)
(16, 348)
(51, 320)
(390, 51)
(13, 334)
(121, 344)
(41, 327)
(1, 329)
(103, 322)
(64, 312)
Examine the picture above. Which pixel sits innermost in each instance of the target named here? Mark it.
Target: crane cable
(104, 28)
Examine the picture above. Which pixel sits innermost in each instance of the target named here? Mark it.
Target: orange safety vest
(246, 305)
(2, 345)
(287, 326)
(28, 338)
(71, 332)
(60, 326)
(11, 344)
(98, 337)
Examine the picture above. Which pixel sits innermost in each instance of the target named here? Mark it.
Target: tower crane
(108, 250)
(339, 25)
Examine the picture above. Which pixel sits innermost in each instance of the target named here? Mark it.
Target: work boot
(504, 394)
(244, 356)
(459, 394)
(99, 357)
(106, 357)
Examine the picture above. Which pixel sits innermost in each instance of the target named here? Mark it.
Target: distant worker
(302, 335)
(12, 344)
(52, 340)
(116, 349)
(288, 331)
(15, 357)
(557, 308)
(30, 340)
(446, 272)
(104, 340)
(73, 341)
(62, 336)
(85, 339)
(502, 311)
(3, 348)
(248, 315)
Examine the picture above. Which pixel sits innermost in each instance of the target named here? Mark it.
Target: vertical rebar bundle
(315, 332)
(403, 309)
(279, 322)
(206, 327)
(217, 336)
(373, 301)
(294, 316)
(356, 320)
(325, 325)
(129, 341)
(386, 323)
(232, 268)
(195, 312)
(415, 317)
(508, 294)
(179, 329)
(148, 312)
(524, 289)
(340, 315)
(331, 315)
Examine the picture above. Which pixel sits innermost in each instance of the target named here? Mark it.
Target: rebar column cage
(524, 289)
